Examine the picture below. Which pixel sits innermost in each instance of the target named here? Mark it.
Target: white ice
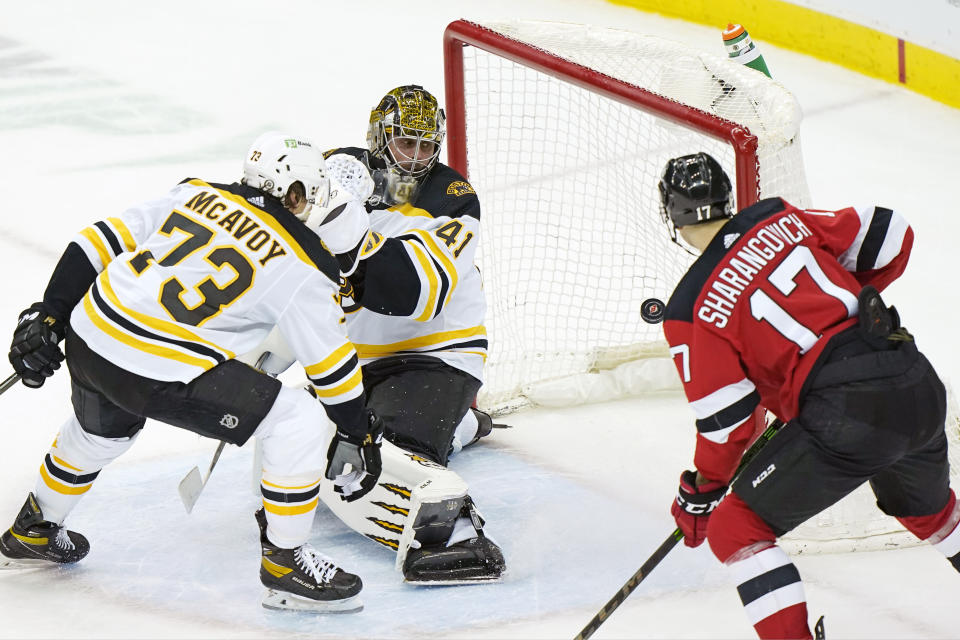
(103, 104)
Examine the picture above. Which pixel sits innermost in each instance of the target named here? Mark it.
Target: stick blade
(190, 488)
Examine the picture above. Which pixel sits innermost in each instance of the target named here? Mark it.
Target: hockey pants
(111, 406)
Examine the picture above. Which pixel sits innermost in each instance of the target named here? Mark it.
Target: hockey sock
(772, 594)
(72, 463)
(289, 502)
(466, 431)
(294, 436)
(941, 529)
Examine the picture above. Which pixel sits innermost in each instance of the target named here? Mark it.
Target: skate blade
(281, 601)
(441, 583)
(24, 563)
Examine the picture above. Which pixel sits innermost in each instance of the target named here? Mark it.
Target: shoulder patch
(459, 188)
(374, 240)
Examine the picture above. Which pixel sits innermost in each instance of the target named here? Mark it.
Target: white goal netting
(567, 130)
(572, 240)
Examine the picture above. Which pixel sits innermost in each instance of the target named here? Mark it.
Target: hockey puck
(652, 310)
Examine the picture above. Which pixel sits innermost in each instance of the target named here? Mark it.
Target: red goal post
(461, 33)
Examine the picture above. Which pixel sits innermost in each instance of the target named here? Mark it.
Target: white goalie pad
(434, 510)
(410, 487)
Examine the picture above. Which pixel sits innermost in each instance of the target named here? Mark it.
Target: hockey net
(563, 130)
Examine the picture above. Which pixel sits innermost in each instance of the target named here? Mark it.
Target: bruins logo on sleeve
(459, 188)
(346, 297)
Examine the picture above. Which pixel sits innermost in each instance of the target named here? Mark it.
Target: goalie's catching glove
(35, 352)
(354, 463)
(693, 506)
(343, 222)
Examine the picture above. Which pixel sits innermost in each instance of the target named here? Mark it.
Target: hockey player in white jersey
(415, 311)
(153, 305)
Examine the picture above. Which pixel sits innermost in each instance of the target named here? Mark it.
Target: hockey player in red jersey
(154, 305)
(782, 310)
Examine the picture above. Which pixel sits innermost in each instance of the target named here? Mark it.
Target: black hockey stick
(667, 545)
(9, 382)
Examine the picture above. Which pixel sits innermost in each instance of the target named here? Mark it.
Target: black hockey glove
(35, 352)
(362, 456)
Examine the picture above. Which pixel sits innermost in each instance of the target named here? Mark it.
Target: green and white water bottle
(741, 48)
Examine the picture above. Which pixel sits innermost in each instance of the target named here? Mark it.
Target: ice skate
(819, 632)
(485, 426)
(34, 542)
(477, 559)
(472, 557)
(302, 579)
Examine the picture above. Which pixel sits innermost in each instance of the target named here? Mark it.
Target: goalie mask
(276, 161)
(406, 130)
(694, 189)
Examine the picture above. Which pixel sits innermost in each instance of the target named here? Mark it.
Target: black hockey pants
(867, 415)
(227, 403)
(421, 400)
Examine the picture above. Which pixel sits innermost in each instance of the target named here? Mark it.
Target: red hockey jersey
(750, 317)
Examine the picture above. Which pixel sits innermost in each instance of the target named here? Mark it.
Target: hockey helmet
(694, 189)
(277, 160)
(411, 118)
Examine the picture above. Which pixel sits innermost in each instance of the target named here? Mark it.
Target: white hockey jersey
(191, 279)
(419, 290)
(446, 314)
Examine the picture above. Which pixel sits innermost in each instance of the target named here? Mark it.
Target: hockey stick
(9, 382)
(667, 545)
(191, 486)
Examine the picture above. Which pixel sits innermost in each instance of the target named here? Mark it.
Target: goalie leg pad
(467, 556)
(408, 485)
(422, 510)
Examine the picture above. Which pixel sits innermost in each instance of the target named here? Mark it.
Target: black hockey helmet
(694, 189)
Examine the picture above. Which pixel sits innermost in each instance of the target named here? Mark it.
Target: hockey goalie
(419, 507)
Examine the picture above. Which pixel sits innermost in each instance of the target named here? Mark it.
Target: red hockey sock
(941, 529)
(767, 582)
(771, 592)
(938, 524)
(785, 624)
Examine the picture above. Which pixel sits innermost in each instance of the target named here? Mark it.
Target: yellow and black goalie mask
(407, 129)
